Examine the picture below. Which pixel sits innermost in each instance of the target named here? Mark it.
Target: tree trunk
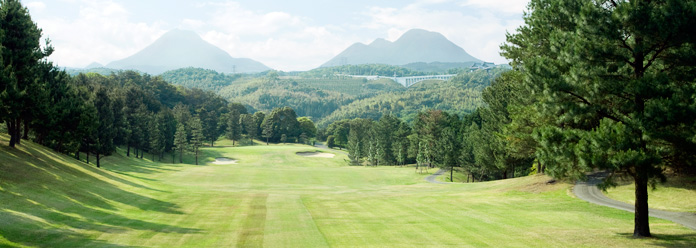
(10, 131)
(505, 174)
(538, 168)
(513, 171)
(543, 169)
(196, 152)
(173, 156)
(18, 131)
(98, 158)
(642, 227)
(451, 173)
(87, 156)
(127, 150)
(25, 136)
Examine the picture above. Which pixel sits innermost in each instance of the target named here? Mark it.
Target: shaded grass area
(275, 198)
(678, 193)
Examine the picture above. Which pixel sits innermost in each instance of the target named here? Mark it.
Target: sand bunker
(224, 161)
(316, 154)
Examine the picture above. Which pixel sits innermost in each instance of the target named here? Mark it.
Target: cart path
(589, 192)
(432, 178)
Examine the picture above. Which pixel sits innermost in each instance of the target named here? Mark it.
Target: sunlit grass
(275, 198)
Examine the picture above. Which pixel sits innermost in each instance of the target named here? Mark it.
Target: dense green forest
(326, 96)
(200, 78)
(474, 143)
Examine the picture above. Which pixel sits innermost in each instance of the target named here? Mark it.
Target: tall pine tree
(617, 79)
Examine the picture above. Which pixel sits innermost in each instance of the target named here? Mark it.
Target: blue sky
(285, 35)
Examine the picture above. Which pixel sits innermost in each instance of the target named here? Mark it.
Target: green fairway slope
(273, 197)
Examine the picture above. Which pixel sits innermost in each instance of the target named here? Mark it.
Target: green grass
(275, 198)
(677, 194)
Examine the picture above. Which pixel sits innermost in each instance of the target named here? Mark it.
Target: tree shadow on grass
(667, 240)
(28, 232)
(46, 204)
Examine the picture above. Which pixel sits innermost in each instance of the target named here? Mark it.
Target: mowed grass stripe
(289, 224)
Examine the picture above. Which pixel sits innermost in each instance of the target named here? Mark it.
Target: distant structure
(405, 81)
(482, 66)
(409, 81)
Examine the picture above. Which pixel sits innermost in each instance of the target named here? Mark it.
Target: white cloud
(509, 6)
(105, 30)
(36, 6)
(102, 32)
(278, 39)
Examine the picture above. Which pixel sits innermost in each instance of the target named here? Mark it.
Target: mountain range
(416, 49)
(179, 49)
(414, 46)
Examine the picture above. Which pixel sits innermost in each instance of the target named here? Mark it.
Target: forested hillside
(204, 79)
(316, 98)
(460, 95)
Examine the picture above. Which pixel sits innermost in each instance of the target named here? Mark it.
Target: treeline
(92, 114)
(363, 70)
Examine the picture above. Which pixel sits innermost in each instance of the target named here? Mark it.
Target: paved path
(588, 191)
(432, 178)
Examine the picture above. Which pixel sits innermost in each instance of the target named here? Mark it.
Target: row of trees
(475, 144)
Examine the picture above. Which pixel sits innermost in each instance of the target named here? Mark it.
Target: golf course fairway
(273, 197)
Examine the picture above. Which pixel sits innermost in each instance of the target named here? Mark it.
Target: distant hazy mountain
(94, 65)
(414, 46)
(179, 49)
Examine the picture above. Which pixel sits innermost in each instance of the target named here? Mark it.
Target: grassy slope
(275, 198)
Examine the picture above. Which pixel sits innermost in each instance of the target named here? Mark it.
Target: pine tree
(248, 122)
(616, 79)
(233, 127)
(197, 137)
(267, 129)
(21, 54)
(105, 131)
(156, 139)
(180, 141)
